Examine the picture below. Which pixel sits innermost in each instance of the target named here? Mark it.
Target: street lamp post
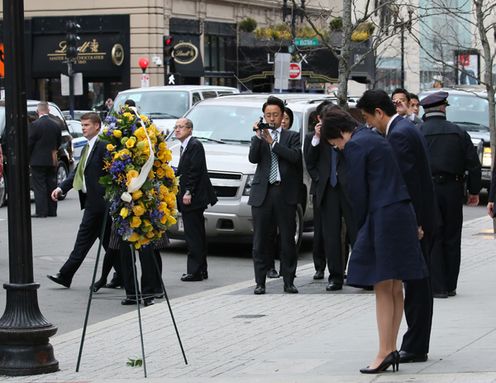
(408, 25)
(24, 332)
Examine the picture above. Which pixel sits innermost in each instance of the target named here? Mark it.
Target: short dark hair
(130, 102)
(322, 106)
(401, 91)
(336, 121)
(376, 99)
(93, 117)
(413, 96)
(272, 100)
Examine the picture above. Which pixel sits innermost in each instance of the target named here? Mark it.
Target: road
(53, 239)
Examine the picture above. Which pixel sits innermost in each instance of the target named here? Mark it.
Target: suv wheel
(62, 173)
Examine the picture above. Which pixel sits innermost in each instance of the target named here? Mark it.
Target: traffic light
(168, 48)
(72, 28)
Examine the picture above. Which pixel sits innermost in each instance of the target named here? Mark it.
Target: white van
(165, 104)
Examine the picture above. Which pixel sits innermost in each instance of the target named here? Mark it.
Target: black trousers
(44, 180)
(196, 239)
(335, 206)
(274, 211)
(418, 308)
(446, 252)
(150, 274)
(89, 230)
(319, 258)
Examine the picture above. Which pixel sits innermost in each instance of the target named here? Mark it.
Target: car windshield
(468, 108)
(229, 124)
(157, 105)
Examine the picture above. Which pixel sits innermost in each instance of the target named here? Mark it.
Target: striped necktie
(274, 162)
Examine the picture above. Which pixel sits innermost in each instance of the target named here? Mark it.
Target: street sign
(78, 84)
(295, 71)
(145, 80)
(281, 70)
(306, 42)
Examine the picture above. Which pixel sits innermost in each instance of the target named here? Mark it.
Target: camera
(263, 125)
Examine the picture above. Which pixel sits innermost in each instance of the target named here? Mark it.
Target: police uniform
(452, 156)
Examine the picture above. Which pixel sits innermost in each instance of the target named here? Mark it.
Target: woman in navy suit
(387, 248)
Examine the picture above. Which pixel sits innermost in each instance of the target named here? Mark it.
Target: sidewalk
(231, 335)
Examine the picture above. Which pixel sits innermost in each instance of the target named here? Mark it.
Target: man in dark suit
(332, 202)
(195, 194)
(85, 179)
(410, 150)
(45, 137)
(274, 193)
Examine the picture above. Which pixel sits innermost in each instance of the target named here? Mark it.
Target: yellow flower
(127, 115)
(124, 212)
(160, 173)
(110, 147)
(140, 134)
(162, 146)
(144, 118)
(133, 237)
(117, 133)
(161, 155)
(151, 175)
(130, 142)
(105, 130)
(150, 234)
(169, 172)
(142, 145)
(171, 220)
(137, 194)
(130, 175)
(135, 222)
(168, 155)
(138, 210)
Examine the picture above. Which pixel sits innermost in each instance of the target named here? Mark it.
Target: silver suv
(225, 127)
(165, 104)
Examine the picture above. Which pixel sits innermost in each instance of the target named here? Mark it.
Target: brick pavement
(231, 335)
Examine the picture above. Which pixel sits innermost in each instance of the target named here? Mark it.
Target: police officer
(452, 154)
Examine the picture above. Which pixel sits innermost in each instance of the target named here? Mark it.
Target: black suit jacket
(318, 159)
(410, 150)
(288, 150)
(45, 136)
(193, 176)
(94, 197)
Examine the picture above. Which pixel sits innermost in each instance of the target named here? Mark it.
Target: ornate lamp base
(24, 334)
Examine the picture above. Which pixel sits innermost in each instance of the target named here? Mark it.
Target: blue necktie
(333, 175)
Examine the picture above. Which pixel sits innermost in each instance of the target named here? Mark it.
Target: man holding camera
(274, 193)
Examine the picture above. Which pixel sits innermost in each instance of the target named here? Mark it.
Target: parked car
(224, 125)
(77, 114)
(469, 109)
(165, 104)
(65, 160)
(78, 140)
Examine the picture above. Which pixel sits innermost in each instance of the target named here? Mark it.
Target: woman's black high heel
(98, 285)
(393, 359)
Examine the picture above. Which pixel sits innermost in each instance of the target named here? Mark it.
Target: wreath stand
(90, 297)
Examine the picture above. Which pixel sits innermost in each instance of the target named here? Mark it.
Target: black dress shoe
(148, 301)
(451, 293)
(159, 296)
(204, 274)
(57, 278)
(409, 357)
(191, 278)
(272, 273)
(393, 359)
(442, 295)
(129, 301)
(334, 286)
(318, 275)
(259, 290)
(38, 216)
(113, 285)
(290, 288)
(98, 285)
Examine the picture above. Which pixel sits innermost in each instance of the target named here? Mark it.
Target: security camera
(157, 60)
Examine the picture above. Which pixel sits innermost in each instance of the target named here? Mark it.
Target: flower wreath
(139, 182)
